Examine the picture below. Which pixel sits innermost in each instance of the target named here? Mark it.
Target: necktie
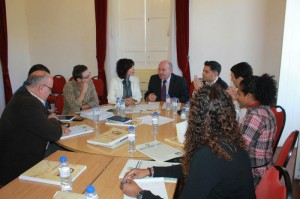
(163, 91)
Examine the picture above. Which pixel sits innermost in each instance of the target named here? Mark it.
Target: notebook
(46, 171)
(65, 118)
(110, 139)
(78, 130)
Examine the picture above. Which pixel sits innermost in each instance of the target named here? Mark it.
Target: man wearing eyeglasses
(26, 126)
(79, 93)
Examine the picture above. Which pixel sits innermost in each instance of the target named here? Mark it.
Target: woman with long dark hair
(215, 164)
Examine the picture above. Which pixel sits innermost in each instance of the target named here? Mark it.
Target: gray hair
(35, 79)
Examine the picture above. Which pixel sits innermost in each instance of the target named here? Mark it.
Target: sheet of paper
(159, 151)
(143, 164)
(148, 120)
(181, 129)
(155, 185)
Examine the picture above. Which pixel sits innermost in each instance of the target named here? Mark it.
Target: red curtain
(182, 38)
(101, 29)
(3, 52)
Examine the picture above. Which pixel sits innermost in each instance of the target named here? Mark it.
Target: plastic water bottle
(155, 120)
(90, 193)
(183, 115)
(96, 114)
(168, 102)
(65, 174)
(122, 108)
(131, 140)
(174, 105)
(187, 106)
(117, 106)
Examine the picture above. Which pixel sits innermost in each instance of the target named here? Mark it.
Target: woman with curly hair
(215, 164)
(257, 94)
(126, 86)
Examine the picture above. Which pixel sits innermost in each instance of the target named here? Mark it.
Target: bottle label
(131, 137)
(155, 121)
(64, 172)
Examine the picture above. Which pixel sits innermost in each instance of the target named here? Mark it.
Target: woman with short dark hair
(125, 86)
(215, 164)
(259, 124)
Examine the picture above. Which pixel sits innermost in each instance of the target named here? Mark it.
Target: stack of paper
(78, 130)
(65, 195)
(143, 164)
(46, 171)
(110, 139)
(102, 114)
(159, 151)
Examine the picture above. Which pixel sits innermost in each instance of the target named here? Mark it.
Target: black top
(222, 83)
(24, 132)
(213, 177)
(177, 88)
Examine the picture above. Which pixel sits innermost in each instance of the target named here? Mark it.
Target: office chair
(98, 83)
(270, 186)
(287, 149)
(58, 85)
(280, 115)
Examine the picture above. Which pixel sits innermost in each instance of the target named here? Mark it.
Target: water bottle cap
(184, 109)
(118, 98)
(174, 98)
(168, 95)
(62, 159)
(90, 189)
(131, 128)
(155, 113)
(96, 105)
(122, 100)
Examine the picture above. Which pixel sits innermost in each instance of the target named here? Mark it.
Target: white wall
(58, 33)
(234, 31)
(289, 95)
(18, 44)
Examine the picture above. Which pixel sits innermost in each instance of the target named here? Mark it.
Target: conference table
(102, 172)
(143, 135)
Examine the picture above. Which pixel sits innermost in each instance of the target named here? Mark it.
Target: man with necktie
(166, 82)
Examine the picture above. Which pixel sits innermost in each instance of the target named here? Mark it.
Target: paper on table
(159, 151)
(181, 129)
(147, 119)
(78, 130)
(143, 164)
(155, 185)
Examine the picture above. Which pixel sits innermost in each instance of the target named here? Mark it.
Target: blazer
(24, 132)
(222, 83)
(116, 89)
(177, 88)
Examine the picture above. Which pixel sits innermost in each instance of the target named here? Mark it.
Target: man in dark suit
(165, 82)
(26, 126)
(210, 75)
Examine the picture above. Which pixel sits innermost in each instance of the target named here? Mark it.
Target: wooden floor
(291, 167)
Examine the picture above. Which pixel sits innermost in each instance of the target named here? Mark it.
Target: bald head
(40, 83)
(165, 69)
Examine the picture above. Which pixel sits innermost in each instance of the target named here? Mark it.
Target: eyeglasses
(48, 87)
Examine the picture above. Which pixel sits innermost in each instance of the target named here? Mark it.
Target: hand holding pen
(136, 173)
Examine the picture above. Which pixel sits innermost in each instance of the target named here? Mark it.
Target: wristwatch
(140, 195)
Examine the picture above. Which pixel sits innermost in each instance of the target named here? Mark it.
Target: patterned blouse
(258, 129)
(71, 94)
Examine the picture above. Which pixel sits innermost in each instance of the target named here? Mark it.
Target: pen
(124, 182)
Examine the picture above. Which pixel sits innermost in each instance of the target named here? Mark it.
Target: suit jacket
(222, 83)
(24, 132)
(177, 88)
(116, 89)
